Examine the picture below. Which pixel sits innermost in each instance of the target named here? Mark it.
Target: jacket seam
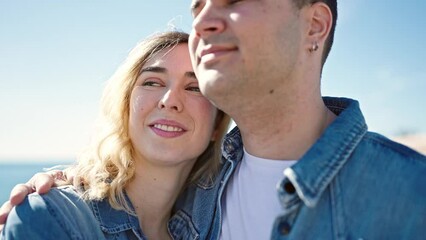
(401, 150)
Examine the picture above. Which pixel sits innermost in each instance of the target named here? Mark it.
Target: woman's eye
(234, 1)
(193, 89)
(151, 84)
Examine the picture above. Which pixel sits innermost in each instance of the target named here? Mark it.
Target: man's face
(243, 49)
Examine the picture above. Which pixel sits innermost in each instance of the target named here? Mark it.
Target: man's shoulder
(379, 159)
(383, 182)
(379, 146)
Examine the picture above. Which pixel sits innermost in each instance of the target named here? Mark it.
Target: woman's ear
(214, 135)
(217, 123)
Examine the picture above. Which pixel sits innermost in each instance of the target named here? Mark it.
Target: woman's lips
(167, 128)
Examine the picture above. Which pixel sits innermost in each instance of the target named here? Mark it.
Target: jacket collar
(318, 166)
(232, 147)
(231, 152)
(113, 221)
(315, 170)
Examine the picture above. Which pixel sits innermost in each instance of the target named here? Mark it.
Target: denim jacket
(62, 214)
(59, 214)
(120, 225)
(351, 184)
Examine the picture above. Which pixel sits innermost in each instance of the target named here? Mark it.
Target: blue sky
(55, 56)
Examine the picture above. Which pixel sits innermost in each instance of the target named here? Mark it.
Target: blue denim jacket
(62, 214)
(351, 184)
(118, 224)
(59, 214)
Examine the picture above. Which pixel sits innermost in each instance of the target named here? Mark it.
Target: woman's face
(170, 122)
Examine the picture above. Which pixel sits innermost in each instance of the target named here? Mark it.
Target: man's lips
(212, 52)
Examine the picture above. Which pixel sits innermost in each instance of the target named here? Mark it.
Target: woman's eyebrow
(154, 69)
(190, 75)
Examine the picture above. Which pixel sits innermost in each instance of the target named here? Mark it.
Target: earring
(314, 47)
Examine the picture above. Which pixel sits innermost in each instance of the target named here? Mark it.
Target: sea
(12, 173)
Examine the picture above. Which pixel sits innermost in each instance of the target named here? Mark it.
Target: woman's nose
(171, 100)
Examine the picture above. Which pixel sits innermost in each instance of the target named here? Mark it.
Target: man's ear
(319, 19)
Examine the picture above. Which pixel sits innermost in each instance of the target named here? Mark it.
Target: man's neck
(285, 128)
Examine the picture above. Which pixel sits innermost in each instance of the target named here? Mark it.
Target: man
(261, 62)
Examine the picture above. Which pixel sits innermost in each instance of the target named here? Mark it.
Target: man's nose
(208, 21)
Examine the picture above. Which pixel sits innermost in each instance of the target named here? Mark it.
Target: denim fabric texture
(59, 214)
(116, 224)
(62, 214)
(120, 225)
(351, 184)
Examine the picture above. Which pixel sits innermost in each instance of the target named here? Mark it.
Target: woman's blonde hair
(107, 165)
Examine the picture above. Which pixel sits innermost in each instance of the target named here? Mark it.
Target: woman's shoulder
(60, 203)
(64, 196)
(60, 213)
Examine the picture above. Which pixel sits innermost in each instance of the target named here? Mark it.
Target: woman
(157, 134)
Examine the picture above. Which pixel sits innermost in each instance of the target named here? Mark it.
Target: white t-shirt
(250, 202)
